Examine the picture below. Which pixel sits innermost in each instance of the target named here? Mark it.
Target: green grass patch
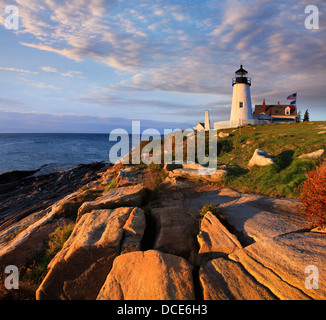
(37, 270)
(284, 143)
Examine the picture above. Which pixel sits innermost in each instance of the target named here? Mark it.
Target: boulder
(223, 134)
(133, 231)
(214, 237)
(260, 158)
(129, 176)
(194, 171)
(184, 165)
(222, 279)
(149, 275)
(172, 166)
(313, 155)
(79, 270)
(280, 264)
(130, 196)
(260, 217)
(27, 244)
(203, 173)
(34, 230)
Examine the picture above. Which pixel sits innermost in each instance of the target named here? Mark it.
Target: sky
(96, 65)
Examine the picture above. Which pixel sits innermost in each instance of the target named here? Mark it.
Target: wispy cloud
(69, 73)
(40, 85)
(12, 69)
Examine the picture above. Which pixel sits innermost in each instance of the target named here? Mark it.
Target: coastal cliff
(128, 242)
(178, 231)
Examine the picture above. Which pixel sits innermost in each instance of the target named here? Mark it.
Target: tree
(306, 116)
(298, 117)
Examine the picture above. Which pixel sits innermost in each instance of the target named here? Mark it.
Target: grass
(284, 143)
(111, 185)
(276, 138)
(31, 276)
(37, 270)
(271, 180)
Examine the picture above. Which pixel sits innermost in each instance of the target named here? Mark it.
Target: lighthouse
(241, 110)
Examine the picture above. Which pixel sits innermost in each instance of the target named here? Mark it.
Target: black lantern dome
(241, 77)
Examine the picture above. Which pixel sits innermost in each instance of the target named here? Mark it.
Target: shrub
(313, 195)
(153, 178)
(209, 207)
(205, 208)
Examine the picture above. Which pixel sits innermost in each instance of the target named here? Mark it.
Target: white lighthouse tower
(241, 110)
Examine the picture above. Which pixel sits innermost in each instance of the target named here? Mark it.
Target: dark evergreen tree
(298, 117)
(306, 116)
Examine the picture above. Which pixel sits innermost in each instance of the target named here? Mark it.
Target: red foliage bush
(313, 195)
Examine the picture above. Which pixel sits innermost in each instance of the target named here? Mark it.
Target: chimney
(207, 122)
(264, 106)
(278, 103)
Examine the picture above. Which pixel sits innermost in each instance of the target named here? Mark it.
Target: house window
(287, 111)
(240, 104)
(276, 110)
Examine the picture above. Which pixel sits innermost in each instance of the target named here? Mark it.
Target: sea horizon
(51, 152)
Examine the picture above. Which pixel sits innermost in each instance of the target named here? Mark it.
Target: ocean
(55, 152)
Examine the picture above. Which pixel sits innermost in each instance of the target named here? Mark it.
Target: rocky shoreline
(24, 192)
(127, 244)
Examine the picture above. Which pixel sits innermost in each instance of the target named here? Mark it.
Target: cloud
(74, 54)
(50, 69)
(117, 101)
(186, 48)
(40, 85)
(69, 73)
(17, 70)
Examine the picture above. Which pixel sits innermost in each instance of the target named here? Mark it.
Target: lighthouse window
(240, 104)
